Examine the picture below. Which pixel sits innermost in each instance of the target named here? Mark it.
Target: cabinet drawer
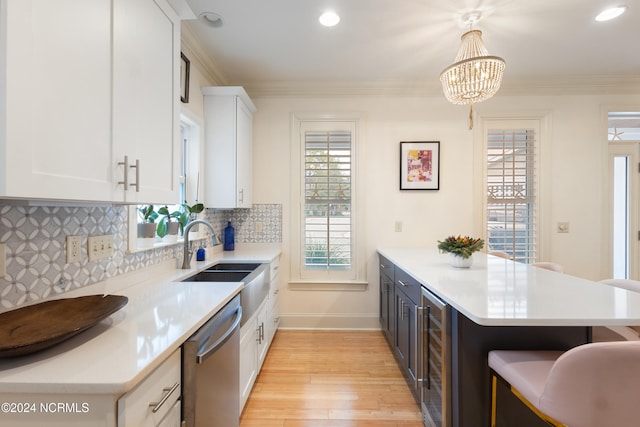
(408, 284)
(136, 407)
(387, 268)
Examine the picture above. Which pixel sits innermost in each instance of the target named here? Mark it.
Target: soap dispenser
(229, 237)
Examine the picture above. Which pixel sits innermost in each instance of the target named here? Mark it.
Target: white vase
(457, 261)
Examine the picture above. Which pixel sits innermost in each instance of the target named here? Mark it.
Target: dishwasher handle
(204, 354)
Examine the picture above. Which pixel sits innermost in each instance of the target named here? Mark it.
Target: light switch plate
(100, 247)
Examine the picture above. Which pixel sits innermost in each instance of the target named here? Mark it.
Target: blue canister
(200, 254)
(229, 237)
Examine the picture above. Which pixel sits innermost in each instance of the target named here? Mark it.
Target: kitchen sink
(218, 276)
(255, 278)
(234, 266)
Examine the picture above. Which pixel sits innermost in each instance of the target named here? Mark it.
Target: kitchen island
(501, 304)
(78, 382)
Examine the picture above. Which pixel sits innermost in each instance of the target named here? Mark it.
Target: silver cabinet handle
(137, 183)
(241, 196)
(421, 376)
(125, 181)
(402, 283)
(167, 392)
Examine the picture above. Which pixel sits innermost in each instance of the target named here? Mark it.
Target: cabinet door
(263, 344)
(244, 155)
(248, 360)
(228, 131)
(146, 49)
(402, 329)
(387, 306)
(55, 129)
(406, 340)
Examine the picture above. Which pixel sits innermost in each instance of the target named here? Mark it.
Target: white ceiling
(266, 43)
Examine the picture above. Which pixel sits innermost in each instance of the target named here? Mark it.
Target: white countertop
(499, 292)
(113, 356)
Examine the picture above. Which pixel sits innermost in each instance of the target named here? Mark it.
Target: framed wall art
(185, 65)
(420, 165)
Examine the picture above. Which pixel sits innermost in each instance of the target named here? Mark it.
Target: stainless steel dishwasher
(211, 370)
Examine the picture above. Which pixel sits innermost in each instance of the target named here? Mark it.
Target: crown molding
(190, 43)
(583, 85)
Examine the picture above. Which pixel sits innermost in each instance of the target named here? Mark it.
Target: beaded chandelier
(474, 76)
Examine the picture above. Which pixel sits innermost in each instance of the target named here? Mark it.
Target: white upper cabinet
(228, 150)
(84, 83)
(146, 51)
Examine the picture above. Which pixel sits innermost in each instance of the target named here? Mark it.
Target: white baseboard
(329, 321)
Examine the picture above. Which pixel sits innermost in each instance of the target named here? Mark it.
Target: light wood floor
(330, 379)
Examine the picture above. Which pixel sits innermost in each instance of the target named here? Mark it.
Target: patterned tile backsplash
(35, 245)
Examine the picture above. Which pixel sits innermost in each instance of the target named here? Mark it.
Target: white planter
(459, 262)
(146, 235)
(172, 233)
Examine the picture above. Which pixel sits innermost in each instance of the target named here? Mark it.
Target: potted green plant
(170, 223)
(461, 248)
(146, 228)
(192, 211)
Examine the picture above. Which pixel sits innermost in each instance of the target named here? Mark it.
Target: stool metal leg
(494, 411)
(494, 385)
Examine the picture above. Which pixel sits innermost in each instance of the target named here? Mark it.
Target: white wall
(573, 161)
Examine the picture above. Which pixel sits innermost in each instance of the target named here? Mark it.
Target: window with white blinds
(511, 193)
(328, 209)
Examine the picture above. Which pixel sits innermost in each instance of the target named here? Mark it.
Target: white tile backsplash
(35, 239)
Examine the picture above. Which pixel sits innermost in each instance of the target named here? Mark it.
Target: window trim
(541, 123)
(357, 274)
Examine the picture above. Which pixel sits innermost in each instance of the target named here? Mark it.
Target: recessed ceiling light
(611, 13)
(211, 19)
(329, 19)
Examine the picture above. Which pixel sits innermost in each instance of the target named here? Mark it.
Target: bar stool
(548, 266)
(592, 385)
(500, 254)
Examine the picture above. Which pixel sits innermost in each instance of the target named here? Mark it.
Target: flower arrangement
(463, 246)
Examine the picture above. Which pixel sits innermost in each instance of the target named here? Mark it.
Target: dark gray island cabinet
(441, 322)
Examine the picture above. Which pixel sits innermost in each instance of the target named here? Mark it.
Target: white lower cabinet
(160, 391)
(155, 401)
(252, 351)
(273, 308)
(256, 336)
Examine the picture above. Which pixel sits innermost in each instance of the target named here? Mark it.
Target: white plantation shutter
(328, 209)
(511, 193)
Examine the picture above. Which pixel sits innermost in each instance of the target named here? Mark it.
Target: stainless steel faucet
(186, 260)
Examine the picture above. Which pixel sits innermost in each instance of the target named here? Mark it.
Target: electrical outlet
(257, 227)
(100, 247)
(3, 270)
(74, 246)
(398, 227)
